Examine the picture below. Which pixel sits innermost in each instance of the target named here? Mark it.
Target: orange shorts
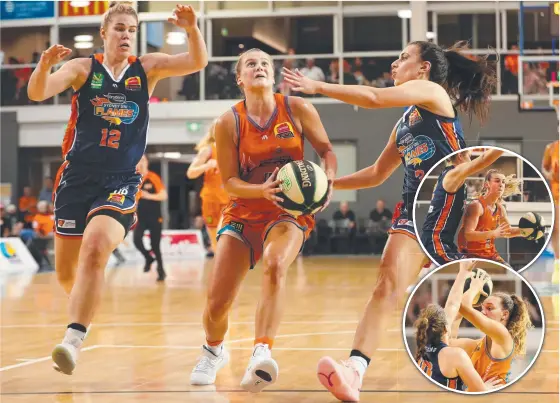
(212, 212)
(251, 225)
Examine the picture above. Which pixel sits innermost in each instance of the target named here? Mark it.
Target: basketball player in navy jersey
(448, 202)
(97, 185)
(433, 84)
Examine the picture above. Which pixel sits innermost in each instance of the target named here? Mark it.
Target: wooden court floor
(147, 336)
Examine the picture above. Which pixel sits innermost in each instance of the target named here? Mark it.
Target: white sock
(361, 365)
(74, 337)
(216, 350)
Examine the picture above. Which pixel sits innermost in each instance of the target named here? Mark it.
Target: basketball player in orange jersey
(97, 185)
(213, 194)
(433, 84)
(505, 321)
(485, 219)
(551, 172)
(254, 139)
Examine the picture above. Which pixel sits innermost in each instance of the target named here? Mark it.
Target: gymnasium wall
(370, 130)
(9, 142)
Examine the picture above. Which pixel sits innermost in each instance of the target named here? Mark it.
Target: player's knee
(385, 289)
(96, 249)
(275, 270)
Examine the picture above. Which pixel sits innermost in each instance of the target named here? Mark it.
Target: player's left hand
(299, 82)
(329, 196)
(183, 17)
(478, 280)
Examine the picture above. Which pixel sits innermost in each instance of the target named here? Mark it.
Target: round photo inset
(485, 203)
(473, 326)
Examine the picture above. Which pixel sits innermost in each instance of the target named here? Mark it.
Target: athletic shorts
(80, 195)
(403, 221)
(446, 252)
(251, 226)
(212, 212)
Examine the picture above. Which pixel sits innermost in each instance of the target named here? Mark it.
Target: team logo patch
(116, 198)
(418, 151)
(283, 130)
(115, 108)
(419, 174)
(66, 223)
(133, 83)
(414, 117)
(237, 226)
(97, 81)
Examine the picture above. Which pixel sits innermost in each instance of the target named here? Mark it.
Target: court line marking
(199, 323)
(37, 360)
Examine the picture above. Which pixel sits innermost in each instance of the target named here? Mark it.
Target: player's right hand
(272, 187)
(502, 230)
(493, 383)
(211, 164)
(54, 55)
(478, 280)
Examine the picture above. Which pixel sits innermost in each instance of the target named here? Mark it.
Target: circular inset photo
(484, 203)
(473, 326)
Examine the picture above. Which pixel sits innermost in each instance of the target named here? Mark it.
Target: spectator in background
(4, 228)
(27, 204)
(333, 76)
(11, 217)
(43, 227)
(345, 219)
(380, 222)
(46, 193)
(312, 71)
(511, 63)
(43, 221)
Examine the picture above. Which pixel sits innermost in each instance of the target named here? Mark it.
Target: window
(299, 4)
(478, 29)
(165, 6)
(372, 71)
(537, 33)
(274, 35)
(346, 153)
(372, 33)
(235, 5)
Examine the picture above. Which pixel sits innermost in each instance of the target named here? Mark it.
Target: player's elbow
(373, 99)
(377, 176)
(34, 95)
(191, 174)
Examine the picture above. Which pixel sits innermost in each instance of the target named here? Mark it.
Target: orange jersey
(551, 163)
(43, 223)
(213, 188)
(487, 366)
(262, 149)
(489, 221)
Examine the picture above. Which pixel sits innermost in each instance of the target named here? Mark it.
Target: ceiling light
(83, 45)
(430, 35)
(172, 155)
(79, 3)
(404, 13)
(83, 38)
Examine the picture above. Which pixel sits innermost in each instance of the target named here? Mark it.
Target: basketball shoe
(342, 380)
(208, 365)
(66, 353)
(262, 370)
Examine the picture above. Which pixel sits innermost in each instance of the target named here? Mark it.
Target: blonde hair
(513, 185)
(430, 326)
(242, 56)
(519, 321)
(208, 139)
(117, 8)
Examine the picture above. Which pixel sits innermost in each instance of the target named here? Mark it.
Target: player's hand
(183, 17)
(53, 55)
(493, 383)
(271, 188)
(502, 231)
(299, 82)
(478, 280)
(467, 265)
(211, 164)
(329, 195)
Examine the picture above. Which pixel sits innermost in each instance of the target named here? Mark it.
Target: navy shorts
(402, 221)
(445, 252)
(80, 195)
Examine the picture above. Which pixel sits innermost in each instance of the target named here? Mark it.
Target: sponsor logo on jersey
(116, 198)
(405, 222)
(414, 118)
(115, 108)
(419, 174)
(133, 83)
(421, 149)
(97, 81)
(283, 130)
(66, 223)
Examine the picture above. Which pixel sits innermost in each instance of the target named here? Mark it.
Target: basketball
(304, 187)
(487, 288)
(531, 226)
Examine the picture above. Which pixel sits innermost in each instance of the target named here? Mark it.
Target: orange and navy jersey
(489, 367)
(552, 164)
(264, 148)
(151, 183)
(422, 139)
(488, 221)
(213, 188)
(429, 364)
(444, 215)
(109, 119)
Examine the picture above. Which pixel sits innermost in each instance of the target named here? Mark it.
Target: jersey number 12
(110, 138)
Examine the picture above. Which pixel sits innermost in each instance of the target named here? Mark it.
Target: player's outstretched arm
(466, 371)
(43, 85)
(375, 174)
(457, 176)
(201, 163)
(161, 65)
(453, 302)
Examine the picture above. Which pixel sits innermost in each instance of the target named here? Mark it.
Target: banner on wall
(175, 245)
(15, 257)
(18, 10)
(65, 9)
